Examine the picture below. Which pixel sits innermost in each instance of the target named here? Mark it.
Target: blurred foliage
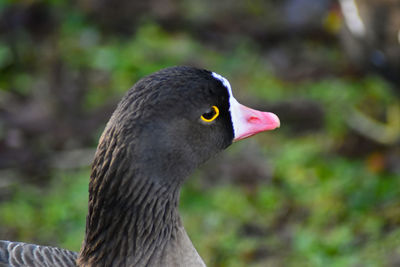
(321, 207)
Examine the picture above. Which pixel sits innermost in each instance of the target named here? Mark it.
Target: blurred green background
(323, 190)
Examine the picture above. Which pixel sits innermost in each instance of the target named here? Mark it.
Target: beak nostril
(253, 119)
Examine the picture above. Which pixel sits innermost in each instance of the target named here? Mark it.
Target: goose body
(22, 254)
(164, 127)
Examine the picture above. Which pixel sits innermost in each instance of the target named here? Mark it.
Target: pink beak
(248, 122)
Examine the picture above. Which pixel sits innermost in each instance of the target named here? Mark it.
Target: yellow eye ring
(210, 116)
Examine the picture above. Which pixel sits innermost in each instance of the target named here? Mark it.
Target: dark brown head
(179, 117)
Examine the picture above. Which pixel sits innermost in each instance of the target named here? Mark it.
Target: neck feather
(131, 217)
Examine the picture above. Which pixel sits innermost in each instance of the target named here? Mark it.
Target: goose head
(179, 117)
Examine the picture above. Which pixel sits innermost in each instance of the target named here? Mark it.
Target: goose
(166, 125)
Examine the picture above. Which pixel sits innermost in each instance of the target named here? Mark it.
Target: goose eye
(211, 115)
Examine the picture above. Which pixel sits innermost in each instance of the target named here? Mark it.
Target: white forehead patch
(234, 106)
(224, 81)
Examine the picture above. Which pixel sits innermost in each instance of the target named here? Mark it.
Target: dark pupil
(208, 115)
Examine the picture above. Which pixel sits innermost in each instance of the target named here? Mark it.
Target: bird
(164, 127)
